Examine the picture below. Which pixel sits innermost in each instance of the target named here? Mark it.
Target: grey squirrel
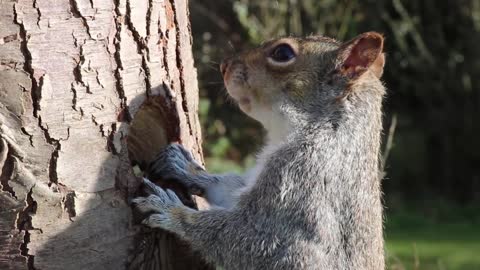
(313, 199)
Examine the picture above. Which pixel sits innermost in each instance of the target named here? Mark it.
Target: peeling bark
(88, 87)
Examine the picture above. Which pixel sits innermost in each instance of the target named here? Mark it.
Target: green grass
(222, 165)
(420, 244)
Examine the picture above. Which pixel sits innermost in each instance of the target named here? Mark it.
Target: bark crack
(189, 27)
(52, 167)
(111, 136)
(142, 47)
(94, 120)
(164, 38)
(68, 203)
(7, 39)
(24, 223)
(97, 77)
(74, 98)
(30, 136)
(124, 115)
(36, 85)
(39, 14)
(6, 168)
(148, 18)
(180, 66)
(75, 11)
(77, 70)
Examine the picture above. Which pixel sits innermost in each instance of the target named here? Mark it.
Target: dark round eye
(282, 53)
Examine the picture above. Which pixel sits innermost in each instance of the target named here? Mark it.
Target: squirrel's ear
(360, 54)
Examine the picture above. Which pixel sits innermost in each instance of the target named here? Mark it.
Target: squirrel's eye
(282, 53)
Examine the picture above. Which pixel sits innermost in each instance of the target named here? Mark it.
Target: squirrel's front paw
(165, 207)
(176, 163)
(173, 162)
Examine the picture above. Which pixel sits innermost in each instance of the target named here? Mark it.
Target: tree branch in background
(389, 143)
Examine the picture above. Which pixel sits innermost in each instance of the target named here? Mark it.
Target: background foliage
(432, 75)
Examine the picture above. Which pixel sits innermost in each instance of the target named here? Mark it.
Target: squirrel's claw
(151, 188)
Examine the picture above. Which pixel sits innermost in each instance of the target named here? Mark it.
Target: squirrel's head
(302, 72)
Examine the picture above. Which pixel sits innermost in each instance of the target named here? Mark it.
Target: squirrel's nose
(224, 65)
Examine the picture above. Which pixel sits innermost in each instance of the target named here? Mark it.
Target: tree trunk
(88, 88)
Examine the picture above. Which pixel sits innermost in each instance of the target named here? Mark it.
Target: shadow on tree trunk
(88, 240)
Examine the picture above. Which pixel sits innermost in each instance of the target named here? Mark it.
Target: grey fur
(160, 202)
(316, 200)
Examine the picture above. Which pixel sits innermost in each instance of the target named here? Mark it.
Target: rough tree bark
(88, 87)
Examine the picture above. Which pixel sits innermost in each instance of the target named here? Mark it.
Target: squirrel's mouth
(245, 104)
(244, 101)
(235, 84)
(234, 78)
(239, 94)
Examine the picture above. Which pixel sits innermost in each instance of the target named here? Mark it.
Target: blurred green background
(432, 183)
